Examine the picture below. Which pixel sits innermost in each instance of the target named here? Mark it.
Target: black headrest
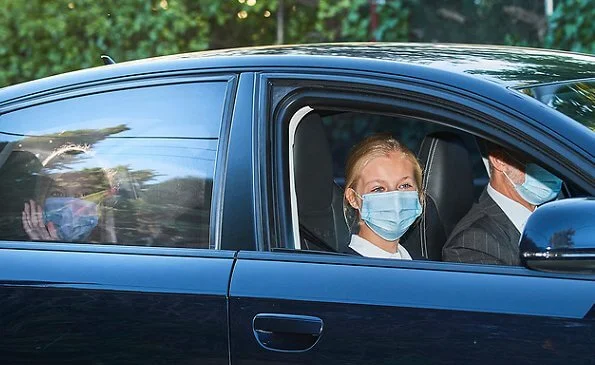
(319, 199)
(448, 183)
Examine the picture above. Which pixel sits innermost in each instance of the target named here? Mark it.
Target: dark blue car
(218, 230)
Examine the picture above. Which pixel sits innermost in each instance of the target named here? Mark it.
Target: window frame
(481, 117)
(134, 82)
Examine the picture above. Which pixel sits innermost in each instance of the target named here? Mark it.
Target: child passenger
(384, 190)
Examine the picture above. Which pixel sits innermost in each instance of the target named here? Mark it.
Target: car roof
(508, 66)
(514, 66)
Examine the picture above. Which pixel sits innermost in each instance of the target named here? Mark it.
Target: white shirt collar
(516, 212)
(368, 249)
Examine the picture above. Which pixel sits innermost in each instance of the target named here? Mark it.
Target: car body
(207, 265)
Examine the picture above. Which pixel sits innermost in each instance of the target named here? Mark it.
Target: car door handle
(287, 332)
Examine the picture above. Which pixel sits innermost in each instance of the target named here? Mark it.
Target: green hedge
(44, 37)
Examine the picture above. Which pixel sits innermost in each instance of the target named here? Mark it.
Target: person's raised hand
(34, 226)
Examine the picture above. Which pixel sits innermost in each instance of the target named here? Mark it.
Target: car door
(292, 308)
(306, 307)
(145, 284)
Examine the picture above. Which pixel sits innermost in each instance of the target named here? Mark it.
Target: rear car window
(126, 167)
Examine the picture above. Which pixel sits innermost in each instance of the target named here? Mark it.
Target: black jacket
(485, 235)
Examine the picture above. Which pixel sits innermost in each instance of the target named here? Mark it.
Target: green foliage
(40, 38)
(349, 20)
(344, 19)
(235, 24)
(572, 26)
(574, 101)
(394, 21)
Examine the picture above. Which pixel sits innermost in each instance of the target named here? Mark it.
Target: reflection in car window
(127, 167)
(574, 99)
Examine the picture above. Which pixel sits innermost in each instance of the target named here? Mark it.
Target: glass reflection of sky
(167, 158)
(185, 110)
(170, 130)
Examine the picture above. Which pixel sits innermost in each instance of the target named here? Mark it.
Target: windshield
(575, 99)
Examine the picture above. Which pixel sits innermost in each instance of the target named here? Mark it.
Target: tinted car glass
(574, 99)
(129, 167)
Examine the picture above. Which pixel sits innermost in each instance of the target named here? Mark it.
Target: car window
(324, 139)
(126, 167)
(575, 99)
(453, 179)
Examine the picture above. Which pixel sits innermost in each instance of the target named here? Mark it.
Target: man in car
(490, 232)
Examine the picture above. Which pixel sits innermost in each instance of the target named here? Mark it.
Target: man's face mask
(73, 218)
(540, 186)
(390, 214)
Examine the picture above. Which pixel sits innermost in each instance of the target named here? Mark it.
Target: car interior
(320, 199)
(446, 156)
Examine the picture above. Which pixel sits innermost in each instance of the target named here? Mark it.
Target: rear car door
(299, 307)
(108, 228)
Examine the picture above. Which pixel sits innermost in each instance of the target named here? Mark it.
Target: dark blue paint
(566, 225)
(411, 287)
(69, 307)
(113, 271)
(73, 326)
(361, 334)
(396, 313)
(514, 66)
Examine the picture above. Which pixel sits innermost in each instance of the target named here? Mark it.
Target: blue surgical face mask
(390, 214)
(73, 218)
(540, 186)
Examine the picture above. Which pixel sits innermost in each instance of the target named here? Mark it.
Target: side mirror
(560, 237)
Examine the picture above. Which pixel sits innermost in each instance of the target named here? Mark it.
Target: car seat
(448, 185)
(319, 199)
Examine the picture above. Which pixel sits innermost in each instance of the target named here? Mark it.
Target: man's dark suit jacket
(485, 235)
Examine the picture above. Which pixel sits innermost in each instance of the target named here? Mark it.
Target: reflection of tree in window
(574, 99)
(577, 101)
(562, 239)
(69, 205)
(173, 212)
(137, 206)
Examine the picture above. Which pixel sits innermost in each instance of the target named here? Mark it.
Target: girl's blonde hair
(361, 154)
